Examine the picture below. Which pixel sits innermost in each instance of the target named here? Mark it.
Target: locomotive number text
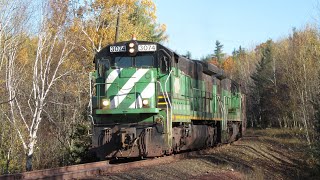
(147, 47)
(117, 48)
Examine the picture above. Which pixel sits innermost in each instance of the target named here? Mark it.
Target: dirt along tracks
(260, 154)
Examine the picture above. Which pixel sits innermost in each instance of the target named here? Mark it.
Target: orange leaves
(228, 64)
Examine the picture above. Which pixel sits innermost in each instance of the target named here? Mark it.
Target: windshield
(123, 62)
(138, 61)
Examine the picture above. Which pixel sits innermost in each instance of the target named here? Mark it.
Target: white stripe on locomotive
(148, 92)
(123, 92)
(112, 76)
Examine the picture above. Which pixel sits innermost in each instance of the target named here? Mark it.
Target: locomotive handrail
(165, 87)
(223, 110)
(163, 94)
(195, 96)
(90, 102)
(90, 92)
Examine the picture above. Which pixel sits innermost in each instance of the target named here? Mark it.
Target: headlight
(145, 102)
(131, 50)
(105, 102)
(131, 45)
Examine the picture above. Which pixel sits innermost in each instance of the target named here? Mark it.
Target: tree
(228, 66)
(301, 66)
(44, 73)
(13, 31)
(52, 51)
(143, 18)
(207, 58)
(218, 54)
(188, 55)
(97, 21)
(264, 89)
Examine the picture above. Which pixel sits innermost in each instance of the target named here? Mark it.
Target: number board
(117, 48)
(147, 47)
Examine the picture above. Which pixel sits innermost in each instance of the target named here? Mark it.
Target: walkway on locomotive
(202, 92)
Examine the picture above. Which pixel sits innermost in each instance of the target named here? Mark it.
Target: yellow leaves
(26, 51)
(150, 8)
(22, 55)
(95, 26)
(163, 27)
(109, 4)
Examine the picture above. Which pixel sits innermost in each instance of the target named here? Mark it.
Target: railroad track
(99, 168)
(94, 169)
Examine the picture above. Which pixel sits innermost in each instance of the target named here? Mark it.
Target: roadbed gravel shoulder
(260, 154)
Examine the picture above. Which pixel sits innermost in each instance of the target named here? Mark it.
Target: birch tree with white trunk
(45, 74)
(52, 52)
(13, 24)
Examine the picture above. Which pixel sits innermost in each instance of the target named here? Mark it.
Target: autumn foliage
(46, 54)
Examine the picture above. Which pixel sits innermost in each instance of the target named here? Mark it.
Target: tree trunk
(29, 162)
(6, 171)
(29, 155)
(280, 123)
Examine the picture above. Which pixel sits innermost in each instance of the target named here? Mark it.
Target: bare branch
(8, 100)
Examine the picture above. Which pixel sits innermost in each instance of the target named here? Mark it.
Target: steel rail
(98, 168)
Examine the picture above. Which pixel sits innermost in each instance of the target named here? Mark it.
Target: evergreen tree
(81, 142)
(188, 55)
(206, 58)
(234, 53)
(237, 54)
(263, 89)
(218, 54)
(242, 51)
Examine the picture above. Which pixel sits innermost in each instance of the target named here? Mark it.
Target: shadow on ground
(262, 154)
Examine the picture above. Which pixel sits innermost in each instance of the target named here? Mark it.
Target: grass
(284, 153)
(267, 154)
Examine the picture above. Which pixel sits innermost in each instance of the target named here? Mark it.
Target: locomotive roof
(104, 51)
(208, 68)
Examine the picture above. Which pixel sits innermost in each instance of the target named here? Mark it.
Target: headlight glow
(105, 102)
(131, 50)
(131, 45)
(145, 102)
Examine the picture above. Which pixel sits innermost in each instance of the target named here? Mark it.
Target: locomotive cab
(128, 76)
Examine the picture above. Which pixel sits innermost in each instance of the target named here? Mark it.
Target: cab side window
(163, 63)
(103, 66)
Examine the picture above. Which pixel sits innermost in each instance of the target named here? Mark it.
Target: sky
(195, 25)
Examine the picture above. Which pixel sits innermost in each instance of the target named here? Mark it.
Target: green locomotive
(148, 101)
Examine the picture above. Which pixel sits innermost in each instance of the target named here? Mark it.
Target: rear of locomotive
(128, 90)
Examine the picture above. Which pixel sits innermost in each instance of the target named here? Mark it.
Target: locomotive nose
(133, 89)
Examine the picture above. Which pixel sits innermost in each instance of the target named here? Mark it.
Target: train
(149, 101)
